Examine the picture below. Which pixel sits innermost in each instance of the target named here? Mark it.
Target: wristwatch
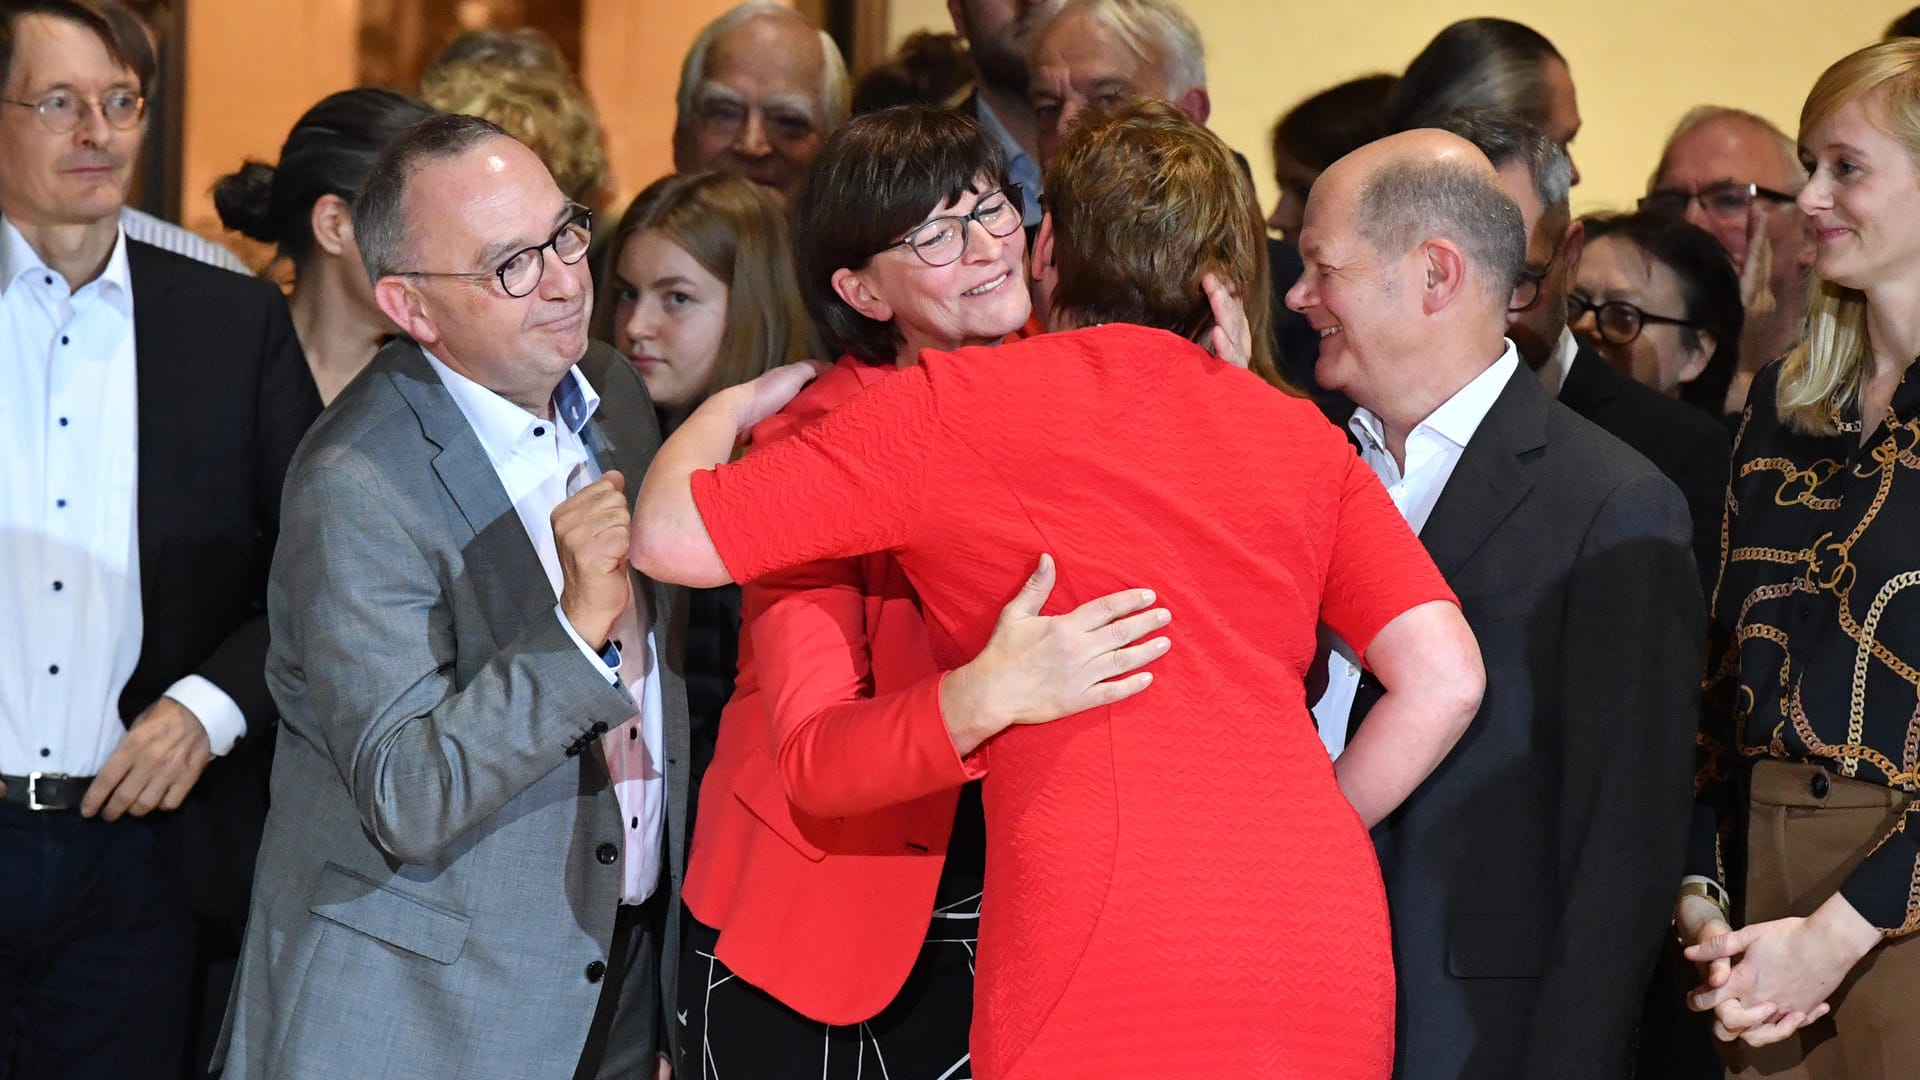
(1707, 889)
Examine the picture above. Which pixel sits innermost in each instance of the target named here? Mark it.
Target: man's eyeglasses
(942, 241)
(1526, 291)
(63, 110)
(1727, 201)
(1617, 321)
(520, 274)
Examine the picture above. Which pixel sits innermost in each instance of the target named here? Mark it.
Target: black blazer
(1688, 446)
(1531, 876)
(223, 397)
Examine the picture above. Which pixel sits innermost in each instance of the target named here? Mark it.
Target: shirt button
(53, 669)
(595, 971)
(636, 823)
(63, 339)
(44, 752)
(58, 585)
(61, 503)
(633, 733)
(63, 421)
(608, 854)
(1820, 785)
(539, 431)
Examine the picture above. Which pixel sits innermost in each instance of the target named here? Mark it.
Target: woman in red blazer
(835, 932)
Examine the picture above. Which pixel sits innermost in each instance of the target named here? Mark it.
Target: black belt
(46, 791)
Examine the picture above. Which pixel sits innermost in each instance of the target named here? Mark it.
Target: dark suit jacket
(224, 396)
(1688, 446)
(1530, 877)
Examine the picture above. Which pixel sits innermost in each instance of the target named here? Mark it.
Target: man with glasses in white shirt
(473, 859)
(148, 408)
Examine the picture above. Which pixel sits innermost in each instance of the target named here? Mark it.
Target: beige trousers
(1807, 829)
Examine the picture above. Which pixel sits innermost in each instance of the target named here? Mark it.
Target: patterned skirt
(736, 1031)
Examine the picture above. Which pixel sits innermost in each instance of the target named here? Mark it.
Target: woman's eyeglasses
(942, 241)
(1617, 321)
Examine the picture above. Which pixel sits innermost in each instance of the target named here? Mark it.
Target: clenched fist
(590, 534)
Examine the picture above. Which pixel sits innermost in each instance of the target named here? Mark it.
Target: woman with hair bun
(304, 207)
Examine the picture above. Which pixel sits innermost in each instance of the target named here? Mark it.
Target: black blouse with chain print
(1814, 651)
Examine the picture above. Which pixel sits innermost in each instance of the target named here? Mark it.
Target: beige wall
(1638, 64)
(253, 67)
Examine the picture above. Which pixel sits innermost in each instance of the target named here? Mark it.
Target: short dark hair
(1483, 61)
(1145, 202)
(1709, 292)
(379, 219)
(874, 179)
(1508, 139)
(1907, 25)
(114, 23)
(330, 151)
(1333, 123)
(1404, 203)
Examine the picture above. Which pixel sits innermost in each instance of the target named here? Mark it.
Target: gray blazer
(429, 899)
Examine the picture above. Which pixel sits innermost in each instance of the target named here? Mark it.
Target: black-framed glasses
(1727, 201)
(520, 274)
(1617, 321)
(64, 110)
(942, 241)
(1526, 291)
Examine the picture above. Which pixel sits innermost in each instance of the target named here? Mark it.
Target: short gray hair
(835, 92)
(379, 209)
(1701, 115)
(1405, 203)
(1507, 139)
(1158, 30)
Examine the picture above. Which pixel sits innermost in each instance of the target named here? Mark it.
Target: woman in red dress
(837, 857)
(1175, 884)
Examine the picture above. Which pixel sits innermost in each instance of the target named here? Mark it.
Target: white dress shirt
(1553, 373)
(539, 463)
(70, 619)
(167, 236)
(1433, 449)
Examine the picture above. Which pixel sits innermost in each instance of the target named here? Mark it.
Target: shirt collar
(18, 260)
(503, 427)
(1553, 373)
(1459, 416)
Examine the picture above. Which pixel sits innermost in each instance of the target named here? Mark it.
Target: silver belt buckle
(33, 788)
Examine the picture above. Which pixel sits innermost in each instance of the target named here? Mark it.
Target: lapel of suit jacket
(497, 550)
(1491, 477)
(1587, 387)
(159, 383)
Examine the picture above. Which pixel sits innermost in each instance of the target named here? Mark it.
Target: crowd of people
(946, 584)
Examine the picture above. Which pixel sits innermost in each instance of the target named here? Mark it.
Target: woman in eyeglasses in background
(1659, 299)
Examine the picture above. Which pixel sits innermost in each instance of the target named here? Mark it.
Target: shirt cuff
(215, 710)
(608, 662)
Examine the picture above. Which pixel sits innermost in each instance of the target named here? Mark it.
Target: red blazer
(825, 815)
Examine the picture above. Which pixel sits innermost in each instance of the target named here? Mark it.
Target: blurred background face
(1000, 34)
(1615, 269)
(669, 319)
(81, 176)
(1863, 199)
(1080, 64)
(1535, 330)
(978, 299)
(1731, 152)
(757, 113)
(1290, 210)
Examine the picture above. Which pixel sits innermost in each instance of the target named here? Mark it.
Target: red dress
(1175, 885)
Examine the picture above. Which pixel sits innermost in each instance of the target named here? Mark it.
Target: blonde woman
(1812, 740)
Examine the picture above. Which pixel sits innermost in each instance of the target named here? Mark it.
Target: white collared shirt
(539, 463)
(1432, 451)
(1553, 373)
(70, 618)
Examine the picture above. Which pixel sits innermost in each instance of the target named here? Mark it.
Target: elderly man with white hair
(760, 89)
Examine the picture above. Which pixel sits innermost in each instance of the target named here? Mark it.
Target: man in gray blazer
(472, 864)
